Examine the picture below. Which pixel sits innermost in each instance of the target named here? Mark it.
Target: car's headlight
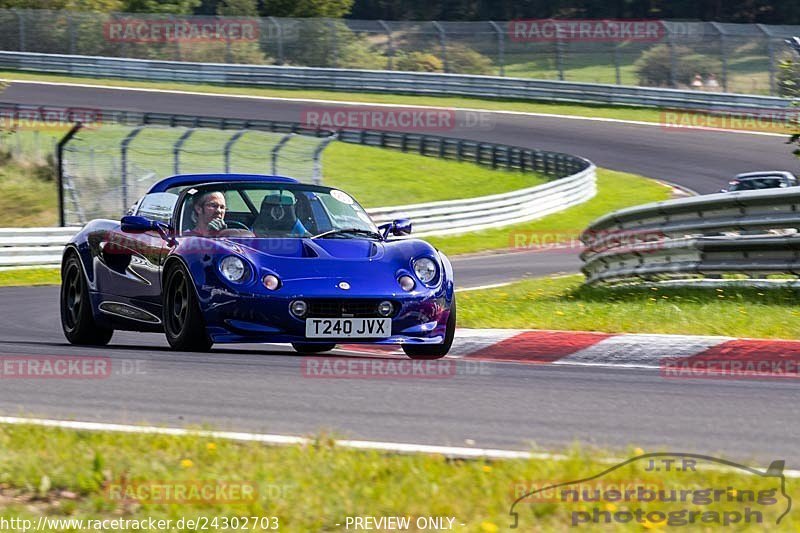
(233, 268)
(425, 269)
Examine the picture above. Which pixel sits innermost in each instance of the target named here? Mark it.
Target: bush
(464, 60)
(418, 62)
(653, 67)
(789, 79)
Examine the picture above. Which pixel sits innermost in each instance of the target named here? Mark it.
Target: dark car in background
(753, 181)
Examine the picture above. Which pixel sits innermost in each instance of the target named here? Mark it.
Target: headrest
(271, 199)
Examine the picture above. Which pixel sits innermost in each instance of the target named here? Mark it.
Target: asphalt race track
(263, 389)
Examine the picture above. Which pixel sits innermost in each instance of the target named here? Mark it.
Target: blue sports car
(219, 258)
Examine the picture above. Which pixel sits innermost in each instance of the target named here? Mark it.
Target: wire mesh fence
(710, 56)
(106, 169)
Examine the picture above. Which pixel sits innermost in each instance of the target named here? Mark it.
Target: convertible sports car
(220, 258)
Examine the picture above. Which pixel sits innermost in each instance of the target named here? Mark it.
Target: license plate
(351, 328)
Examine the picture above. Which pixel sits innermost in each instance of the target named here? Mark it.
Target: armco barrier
(385, 82)
(754, 233)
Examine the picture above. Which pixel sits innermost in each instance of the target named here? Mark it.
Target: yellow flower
(720, 290)
(733, 492)
(638, 451)
(487, 468)
(653, 288)
(652, 299)
(187, 463)
(611, 507)
(560, 313)
(211, 447)
(488, 527)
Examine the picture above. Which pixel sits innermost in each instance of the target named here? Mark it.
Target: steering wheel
(235, 224)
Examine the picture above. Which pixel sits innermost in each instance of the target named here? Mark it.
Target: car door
(132, 260)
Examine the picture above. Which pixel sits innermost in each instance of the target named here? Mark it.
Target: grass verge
(80, 475)
(572, 109)
(29, 277)
(616, 190)
(28, 194)
(563, 303)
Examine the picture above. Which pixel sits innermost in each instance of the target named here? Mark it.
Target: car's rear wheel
(303, 347)
(183, 320)
(77, 319)
(435, 351)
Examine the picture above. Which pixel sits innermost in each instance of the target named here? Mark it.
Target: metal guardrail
(43, 246)
(754, 233)
(385, 82)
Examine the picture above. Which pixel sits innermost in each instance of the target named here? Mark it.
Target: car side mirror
(136, 224)
(401, 226)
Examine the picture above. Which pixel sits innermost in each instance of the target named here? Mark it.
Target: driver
(208, 213)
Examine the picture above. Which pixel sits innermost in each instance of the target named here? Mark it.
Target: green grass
(28, 195)
(30, 276)
(573, 109)
(616, 190)
(563, 303)
(381, 177)
(72, 474)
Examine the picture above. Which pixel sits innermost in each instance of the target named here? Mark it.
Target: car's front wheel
(183, 320)
(77, 319)
(435, 351)
(302, 347)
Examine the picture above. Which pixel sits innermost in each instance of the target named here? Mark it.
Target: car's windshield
(272, 210)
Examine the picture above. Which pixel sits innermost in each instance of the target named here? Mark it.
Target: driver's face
(213, 207)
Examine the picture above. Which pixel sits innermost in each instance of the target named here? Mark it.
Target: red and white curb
(704, 354)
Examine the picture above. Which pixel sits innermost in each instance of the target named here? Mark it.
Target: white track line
(393, 447)
(482, 287)
(376, 104)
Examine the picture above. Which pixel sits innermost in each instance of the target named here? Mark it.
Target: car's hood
(369, 266)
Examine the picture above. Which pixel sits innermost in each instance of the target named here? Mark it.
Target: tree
(307, 8)
(240, 8)
(178, 7)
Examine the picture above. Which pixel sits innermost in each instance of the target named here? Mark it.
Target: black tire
(183, 322)
(302, 347)
(77, 319)
(435, 351)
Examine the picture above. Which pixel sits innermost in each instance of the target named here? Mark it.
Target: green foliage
(653, 67)
(789, 86)
(465, 60)
(162, 6)
(241, 8)
(418, 62)
(307, 8)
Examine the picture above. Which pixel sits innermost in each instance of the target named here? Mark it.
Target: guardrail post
(390, 43)
(60, 166)
(723, 54)
(228, 146)
(176, 150)
(124, 160)
(279, 34)
(442, 44)
(560, 58)
(21, 22)
(71, 31)
(771, 53)
(334, 43)
(673, 61)
(276, 149)
(501, 46)
(617, 74)
(316, 176)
